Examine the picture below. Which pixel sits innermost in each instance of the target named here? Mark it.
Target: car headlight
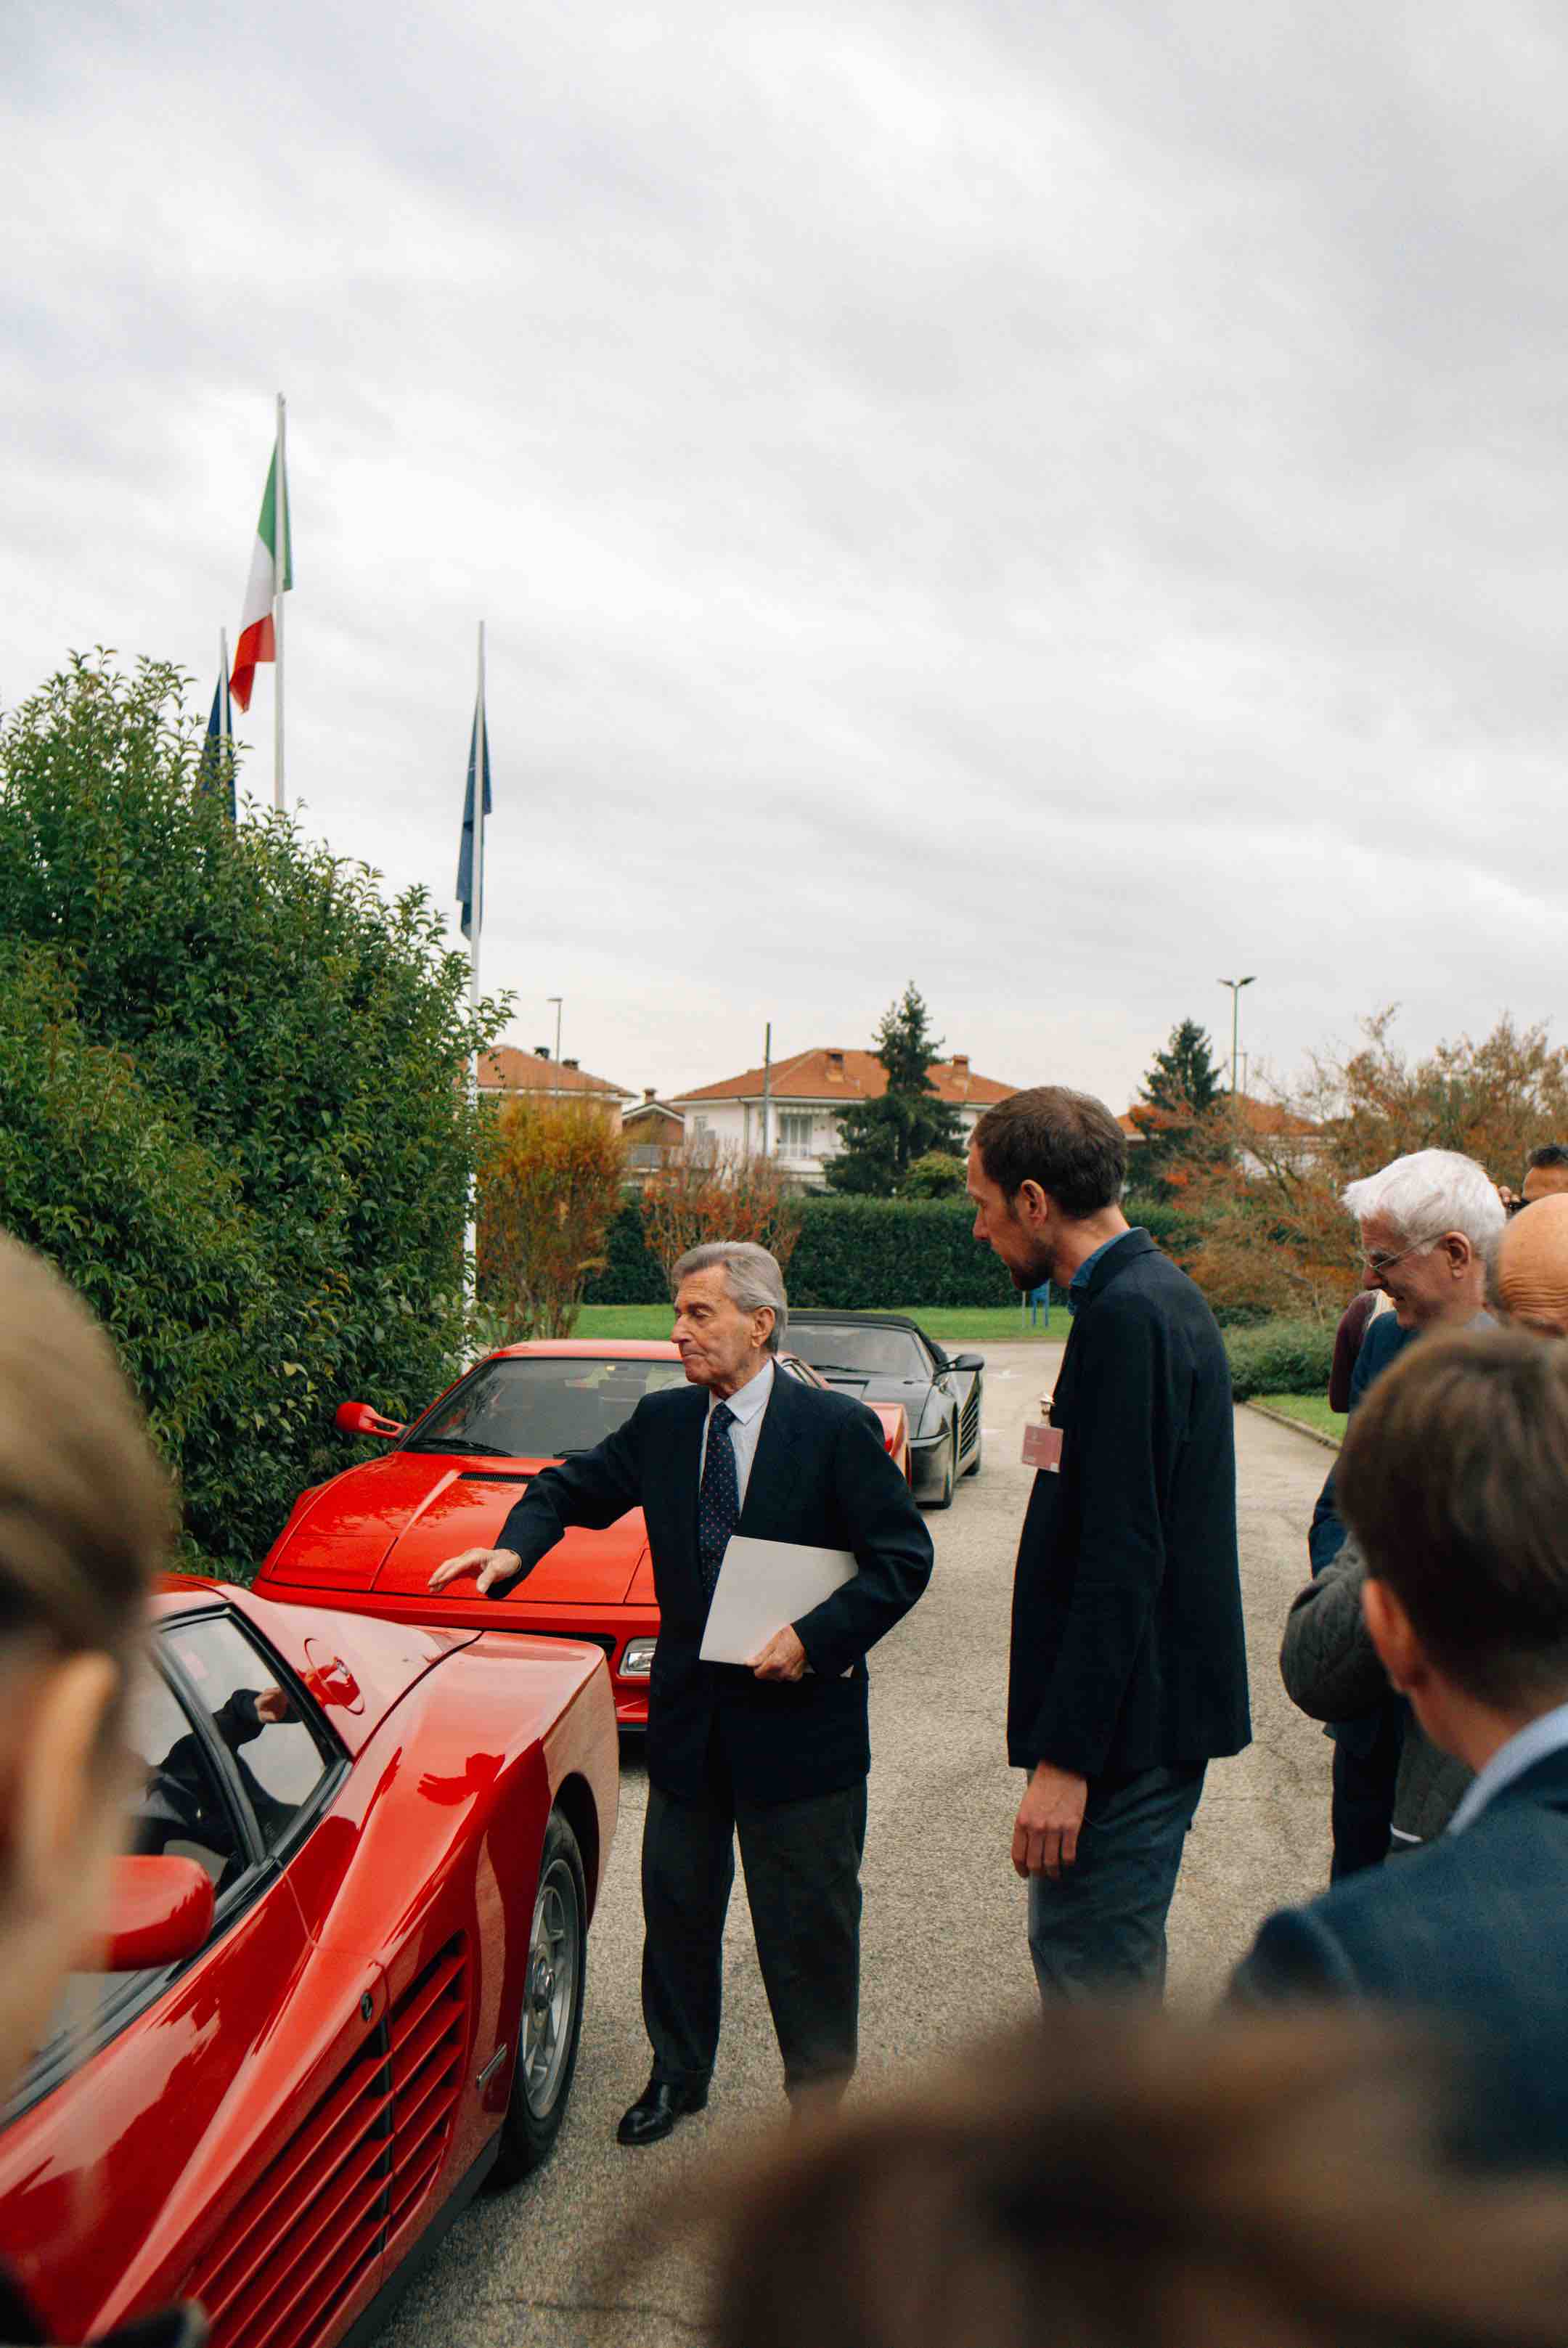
(637, 1663)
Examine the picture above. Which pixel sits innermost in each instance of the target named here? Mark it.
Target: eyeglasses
(1513, 1206)
(1379, 1264)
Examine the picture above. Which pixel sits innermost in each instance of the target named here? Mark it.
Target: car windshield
(539, 1407)
(860, 1350)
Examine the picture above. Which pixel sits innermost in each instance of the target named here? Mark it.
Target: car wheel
(551, 2022)
(974, 1467)
(944, 1498)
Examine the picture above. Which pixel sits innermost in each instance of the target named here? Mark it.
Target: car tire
(550, 2021)
(944, 1498)
(974, 1467)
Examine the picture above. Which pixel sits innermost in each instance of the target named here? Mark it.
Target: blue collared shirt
(1533, 1744)
(1078, 1286)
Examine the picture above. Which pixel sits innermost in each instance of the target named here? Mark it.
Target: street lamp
(1235, 985)
(555, 1076)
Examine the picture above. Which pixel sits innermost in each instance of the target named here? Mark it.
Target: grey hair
(751, 1275)
(1428, 1193)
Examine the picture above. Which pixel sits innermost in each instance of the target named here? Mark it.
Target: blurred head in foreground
(1532, 1267)
(85, 1523)
(1256, 2182)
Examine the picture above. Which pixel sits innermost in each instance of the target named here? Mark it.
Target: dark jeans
(1101, 1926)
(803, 1881)
(1366, 1771)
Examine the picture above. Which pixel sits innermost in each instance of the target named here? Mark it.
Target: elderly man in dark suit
(1129, 1668)
(778, 1751)
(1454, 1478)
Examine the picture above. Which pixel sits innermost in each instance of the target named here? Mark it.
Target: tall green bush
(231, 1075)
(1280, 1357)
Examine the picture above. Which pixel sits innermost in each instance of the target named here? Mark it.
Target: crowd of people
(1368, 2143)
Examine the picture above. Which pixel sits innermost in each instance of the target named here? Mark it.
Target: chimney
(836, 1067)
(961, 1065)
(649, 1092)
(569, 1064)
(542, 1051)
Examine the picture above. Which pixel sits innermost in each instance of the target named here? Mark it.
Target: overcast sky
(1062, 502)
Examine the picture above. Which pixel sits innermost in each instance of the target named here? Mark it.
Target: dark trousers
(1100, 1925)
(1366, 1771)
(802, 1880)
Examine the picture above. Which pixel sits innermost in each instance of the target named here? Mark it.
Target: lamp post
(1235, 985)
(555, 1072)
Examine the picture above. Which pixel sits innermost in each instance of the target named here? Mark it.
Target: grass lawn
(1311, 1410)
(1000, 1325)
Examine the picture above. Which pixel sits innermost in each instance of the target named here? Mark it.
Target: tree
(1175, 1117)
(880, 1139)
(231, 1085)
(939, 1174)
(1276, 1235)
(703, 1193)
(548, 1190)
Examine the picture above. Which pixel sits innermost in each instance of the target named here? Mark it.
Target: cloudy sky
(1062, 502)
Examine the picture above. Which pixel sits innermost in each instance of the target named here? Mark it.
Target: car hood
(387, 1526)
(910, 1392)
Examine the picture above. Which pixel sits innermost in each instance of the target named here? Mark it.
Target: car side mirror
(967, 1362)
(358, 1418)
(161, 1910)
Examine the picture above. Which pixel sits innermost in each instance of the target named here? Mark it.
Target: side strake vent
(319, 2216)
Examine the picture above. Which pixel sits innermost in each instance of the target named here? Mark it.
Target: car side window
(275, 1753)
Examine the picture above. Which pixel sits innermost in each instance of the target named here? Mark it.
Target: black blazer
(1470, 1931)
(820, 1476)
(1127, 1646)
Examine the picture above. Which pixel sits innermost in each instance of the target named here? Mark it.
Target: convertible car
(342, 1983)
(885, 1358)
(372, 1536)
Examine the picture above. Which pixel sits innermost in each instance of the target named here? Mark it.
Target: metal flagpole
(476, 902)
(280, 573)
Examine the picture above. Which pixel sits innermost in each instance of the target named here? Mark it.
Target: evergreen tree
(1180, 1091)
(882, 1139)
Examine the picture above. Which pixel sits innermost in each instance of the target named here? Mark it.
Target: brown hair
(85, 1512)
(1258, 2181)
(1454, 1475)
(1067, 1142)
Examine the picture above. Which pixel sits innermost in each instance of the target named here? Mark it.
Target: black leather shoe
(656, 2111)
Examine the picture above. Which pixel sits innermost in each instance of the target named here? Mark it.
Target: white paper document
(762, 1585)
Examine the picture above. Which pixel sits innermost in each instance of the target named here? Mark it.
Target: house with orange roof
(794, 1109)
(507, 1074)
(1277, 1130)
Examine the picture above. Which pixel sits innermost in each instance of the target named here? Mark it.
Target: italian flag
(258, 641)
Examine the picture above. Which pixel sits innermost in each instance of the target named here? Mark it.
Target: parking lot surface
(585, 2254)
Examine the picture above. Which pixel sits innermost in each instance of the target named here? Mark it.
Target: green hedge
(1280, 1357)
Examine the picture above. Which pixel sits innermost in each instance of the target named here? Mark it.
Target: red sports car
(372, 1538)
(343, 1980)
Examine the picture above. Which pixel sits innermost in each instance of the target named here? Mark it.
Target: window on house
(794, 1133)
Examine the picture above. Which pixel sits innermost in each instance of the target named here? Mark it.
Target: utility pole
(767, 1084)
(555, 1072)
(1235, 985)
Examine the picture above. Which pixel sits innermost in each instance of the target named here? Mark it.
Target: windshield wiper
(845, 1369)
(444, 1443)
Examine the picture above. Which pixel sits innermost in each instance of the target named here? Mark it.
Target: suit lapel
(772, 1467)
(682, 1464)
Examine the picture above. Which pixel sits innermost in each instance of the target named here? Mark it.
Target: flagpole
(279, 574)
(475, 923)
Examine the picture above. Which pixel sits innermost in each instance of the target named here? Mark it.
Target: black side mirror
(967, 1362)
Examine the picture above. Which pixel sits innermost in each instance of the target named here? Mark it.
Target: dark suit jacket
(820, 1476)
(1127, 1646)
(1472, 1932)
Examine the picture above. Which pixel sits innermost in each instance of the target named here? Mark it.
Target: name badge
(1042, 1449)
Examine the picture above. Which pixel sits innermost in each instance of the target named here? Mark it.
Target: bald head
(1533, 1265)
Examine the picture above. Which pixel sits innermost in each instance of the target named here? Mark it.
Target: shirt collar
(750, 1398)
(1548, 1734)
(1078, 1286)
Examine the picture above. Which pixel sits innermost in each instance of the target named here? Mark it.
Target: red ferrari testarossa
(372, 1538)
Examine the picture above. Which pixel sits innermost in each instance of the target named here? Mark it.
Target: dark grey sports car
(883, 1357)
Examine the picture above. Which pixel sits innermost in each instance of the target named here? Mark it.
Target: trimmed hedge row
(1281, 1357)
(862, 1254)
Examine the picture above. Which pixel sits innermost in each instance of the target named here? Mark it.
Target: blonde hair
(86, 1508)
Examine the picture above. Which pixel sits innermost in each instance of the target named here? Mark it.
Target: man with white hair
(776, 1749)
(1429, 1223)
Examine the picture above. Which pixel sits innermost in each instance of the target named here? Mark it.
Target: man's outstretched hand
(491, 1565)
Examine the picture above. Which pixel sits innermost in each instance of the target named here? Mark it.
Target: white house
(807, 1096)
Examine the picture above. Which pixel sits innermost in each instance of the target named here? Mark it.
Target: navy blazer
(820, 1476)
(1127, 1645)
(1470, 1931)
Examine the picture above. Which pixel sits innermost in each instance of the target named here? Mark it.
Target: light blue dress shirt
(748, 1406)
(1533, 1744)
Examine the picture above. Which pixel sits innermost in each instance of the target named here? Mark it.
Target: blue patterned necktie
(719, 1498)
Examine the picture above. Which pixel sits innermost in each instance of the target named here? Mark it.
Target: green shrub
(231, 1085)
(1280, 1357)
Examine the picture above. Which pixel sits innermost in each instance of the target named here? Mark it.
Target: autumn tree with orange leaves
(550, 1186)
(702, 1192)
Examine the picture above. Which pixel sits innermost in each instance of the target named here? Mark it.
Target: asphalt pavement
(586, 2253)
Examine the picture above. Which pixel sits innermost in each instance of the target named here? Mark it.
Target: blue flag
(466, 852)
(215, 768)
